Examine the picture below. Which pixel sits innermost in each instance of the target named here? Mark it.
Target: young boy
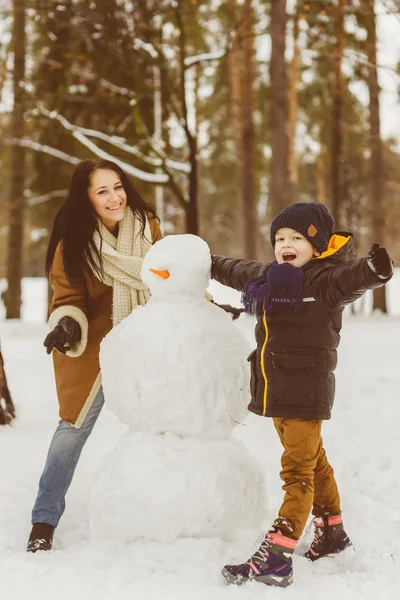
(298, 300)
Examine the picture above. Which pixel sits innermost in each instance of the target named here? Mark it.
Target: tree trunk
(320, 183)
(293, 103)
(279, 197)
(337, 112)
(376, 172)
(17, 200)
(249, 188)
(242, 86)
(192, 211)
(7, 409)
(236, 76)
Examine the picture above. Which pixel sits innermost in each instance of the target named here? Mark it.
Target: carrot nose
(163, 274)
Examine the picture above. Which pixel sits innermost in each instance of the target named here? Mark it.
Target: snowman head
(177, 264)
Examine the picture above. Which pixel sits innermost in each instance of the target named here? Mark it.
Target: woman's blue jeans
(64, 452)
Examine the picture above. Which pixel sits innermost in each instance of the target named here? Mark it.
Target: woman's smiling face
(108, 197)
(292, 247)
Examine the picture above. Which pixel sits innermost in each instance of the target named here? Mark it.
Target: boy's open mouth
(288, 257)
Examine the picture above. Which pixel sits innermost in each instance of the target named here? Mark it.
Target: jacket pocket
(296, 376)
(252, 358)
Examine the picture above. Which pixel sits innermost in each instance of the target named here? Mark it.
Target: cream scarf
(122, 261)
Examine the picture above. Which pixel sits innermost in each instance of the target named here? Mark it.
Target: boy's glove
(380, 261)
(63, 336)
(235, 312)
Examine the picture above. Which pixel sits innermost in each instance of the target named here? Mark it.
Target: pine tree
(242, 73)
(278, 109)
(17, 199)
(337, 112)
(317, 112)
(376, 171)
(293, 106)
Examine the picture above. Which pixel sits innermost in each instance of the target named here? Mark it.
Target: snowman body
(175, 371)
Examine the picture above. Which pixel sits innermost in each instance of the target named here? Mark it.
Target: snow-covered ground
(362, 441)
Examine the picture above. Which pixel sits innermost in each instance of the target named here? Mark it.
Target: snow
(186, 364)
(149, 48)
(28, 143)
(130, 169)
(206, 56)
(187, 258)
(164, 487)
(361, 442)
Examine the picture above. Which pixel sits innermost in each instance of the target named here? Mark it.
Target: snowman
(175, 371)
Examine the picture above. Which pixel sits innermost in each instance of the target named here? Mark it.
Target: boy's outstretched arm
(340, 285)
(236, 272)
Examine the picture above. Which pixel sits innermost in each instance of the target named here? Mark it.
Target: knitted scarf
(282, 284)
(122, 259)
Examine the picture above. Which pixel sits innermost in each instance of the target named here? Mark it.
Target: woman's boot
(41, 537)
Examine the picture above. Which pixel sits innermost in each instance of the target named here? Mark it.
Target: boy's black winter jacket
(296, 355)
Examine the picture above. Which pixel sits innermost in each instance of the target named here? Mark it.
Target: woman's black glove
(380, 260)
(235, 312)
(63, 336)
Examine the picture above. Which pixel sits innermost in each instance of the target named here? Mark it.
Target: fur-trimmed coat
(77, 373)
(292, 368)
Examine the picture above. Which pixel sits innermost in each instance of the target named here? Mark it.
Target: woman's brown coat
(78, 372)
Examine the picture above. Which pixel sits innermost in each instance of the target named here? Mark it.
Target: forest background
(222, 112)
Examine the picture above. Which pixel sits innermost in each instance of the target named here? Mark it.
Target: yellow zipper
(263, 366)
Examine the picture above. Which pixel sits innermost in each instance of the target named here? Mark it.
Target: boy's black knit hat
(311, 219)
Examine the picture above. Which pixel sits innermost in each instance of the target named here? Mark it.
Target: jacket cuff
(214, 260)
(79, 316)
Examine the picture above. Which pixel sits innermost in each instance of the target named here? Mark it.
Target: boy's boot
(271, 564)
(329, 537)
(41, 537)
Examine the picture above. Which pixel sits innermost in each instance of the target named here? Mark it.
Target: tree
(114, 65)
(279, 109)
(17, 199)
(317, 114)
(375, 144)
(241, 62)
(192, 210)
(293, 107)
(337, 113)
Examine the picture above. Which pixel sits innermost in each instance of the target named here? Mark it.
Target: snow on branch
(131, 170)
(156, 162)
(47, 197)
(194, 60)
(189, 61)
(27, 143)
(86, 74)
(117, 141)
(149, 48)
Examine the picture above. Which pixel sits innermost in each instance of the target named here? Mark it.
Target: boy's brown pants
(309, 481)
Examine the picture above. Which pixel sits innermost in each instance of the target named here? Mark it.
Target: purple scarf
(282, 285)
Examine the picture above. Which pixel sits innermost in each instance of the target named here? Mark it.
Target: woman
(96, 249)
